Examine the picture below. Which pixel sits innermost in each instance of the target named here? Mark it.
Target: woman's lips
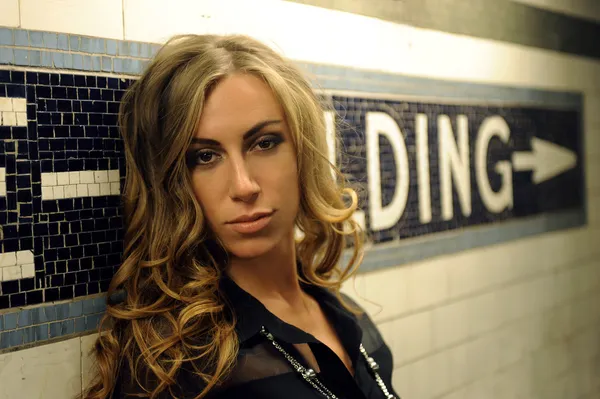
(253, 226)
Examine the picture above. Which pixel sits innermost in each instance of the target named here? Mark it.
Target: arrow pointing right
(546, 160)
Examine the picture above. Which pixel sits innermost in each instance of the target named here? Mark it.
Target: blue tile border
(28, 48)
(35, 325)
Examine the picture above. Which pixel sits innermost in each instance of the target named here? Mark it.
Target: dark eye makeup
(205, 157)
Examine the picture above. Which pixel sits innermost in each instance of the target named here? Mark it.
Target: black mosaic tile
(4, 302)
(27, 284)
(80, 290)
(93, 288)
(17, 300)
(9, 287)
(34, 297)
(18, 77)
(5, 76)
(51, 294)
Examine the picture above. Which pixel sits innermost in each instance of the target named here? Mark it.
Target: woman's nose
(243, 186)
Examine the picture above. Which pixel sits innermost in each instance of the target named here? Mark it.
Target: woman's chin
(248, 249)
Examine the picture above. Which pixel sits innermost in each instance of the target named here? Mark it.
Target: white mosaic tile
(48, 179)
(19, 104)
(59, 192)
(87, 176)
(28, 270)
(21, 119)
(24, 257)
(8, 259)
(9, 118)
(74, 177)
(62, 178)
(5, 104)
(113, 175)
(12, 273)
(101, 176)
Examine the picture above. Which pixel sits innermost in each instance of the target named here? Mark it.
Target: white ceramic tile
(587, 9)
(8, 259)
(457, 364)
(21, 119)
(5, 104)
(2, 189)
(101, 176)
(420, 383)
(82, 190)
(104, 188)
(399, 49)
(2, 174)
(450, 324)
(12, 273)
(47, 193)
(459, 394)
(480, 388)
(401, 381)
(62, 178)
(115, 188)
(427, 284)
(482, 314)
(28, 270)
(482, 356)
(48, 179)
(1, 274)
(549, 362)
(388, 333)
(48, 371)
(113, 175)
(86, 177)
(388, 292)
(59, 192)
(413, 337)
(10, 13)
(511, 343)
(87, 360)
(24, 257)
(94, 190)
(9, 118)
(439, 373)
(71, 191)
(74, 177)
(582, 313)
(19, 104)
(102, 18)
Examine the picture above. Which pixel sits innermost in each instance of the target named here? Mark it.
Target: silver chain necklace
(310, 376)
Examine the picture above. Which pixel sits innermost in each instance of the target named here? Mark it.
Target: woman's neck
(272, 278)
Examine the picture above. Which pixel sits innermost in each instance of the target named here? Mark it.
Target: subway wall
(483, 278)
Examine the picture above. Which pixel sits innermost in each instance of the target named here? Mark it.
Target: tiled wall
(514, 319)
(61, 219)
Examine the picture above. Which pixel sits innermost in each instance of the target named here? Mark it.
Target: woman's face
(244, 170)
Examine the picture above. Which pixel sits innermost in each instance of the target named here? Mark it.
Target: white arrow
(546, 160)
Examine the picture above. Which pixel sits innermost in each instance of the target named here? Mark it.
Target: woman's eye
(267, 143)
(205, 157)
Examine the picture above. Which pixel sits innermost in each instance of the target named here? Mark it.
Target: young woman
(226, 160)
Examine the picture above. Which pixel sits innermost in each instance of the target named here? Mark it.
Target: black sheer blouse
(263, 372)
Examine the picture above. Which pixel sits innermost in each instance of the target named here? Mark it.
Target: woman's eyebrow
(248, 135)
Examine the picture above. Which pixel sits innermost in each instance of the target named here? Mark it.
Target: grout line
(20, 15)
(122, 16)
